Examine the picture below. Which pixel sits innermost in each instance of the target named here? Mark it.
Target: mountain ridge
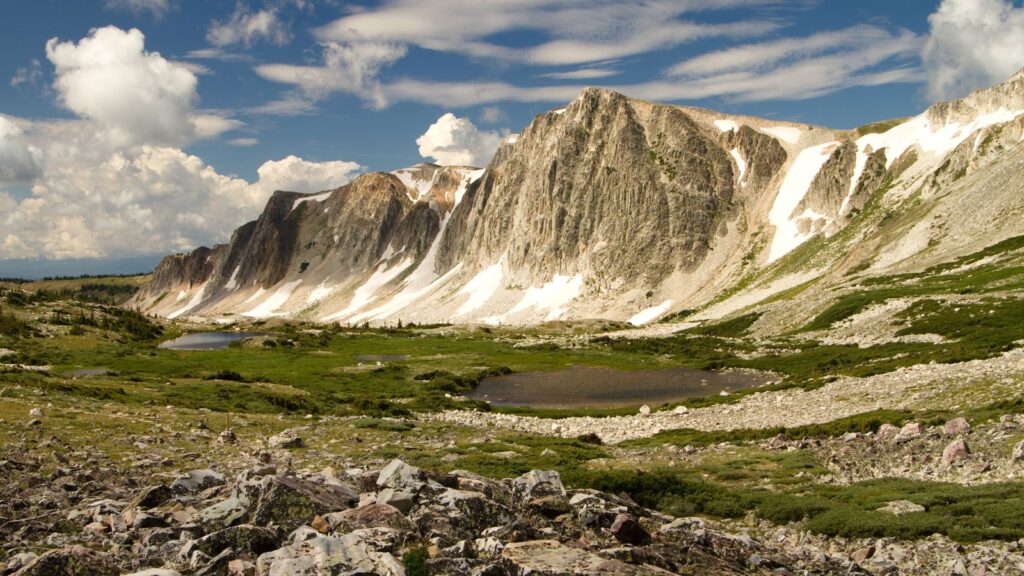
(608, 208)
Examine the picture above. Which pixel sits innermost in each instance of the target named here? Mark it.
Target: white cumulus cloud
(17, 163)
(454, 141)
(114, 182)
(137, 96)
(972, 44)
(297, 175)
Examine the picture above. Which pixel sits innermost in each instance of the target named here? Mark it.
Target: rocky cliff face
(610, 207)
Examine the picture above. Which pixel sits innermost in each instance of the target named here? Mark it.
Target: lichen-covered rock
(538, 483)
(244, 538)
(290, 502)
(368, 516)
(71, 561)
(327, 556)
(197, 480)
(552, 558)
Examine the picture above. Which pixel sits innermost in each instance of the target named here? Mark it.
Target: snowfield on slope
(794, 187)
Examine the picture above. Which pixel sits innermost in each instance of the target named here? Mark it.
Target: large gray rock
(552, 558)
(197, 480)
(243, 539)
(537, 484)
(400, 476)
(369, 516)
(70, 561)
(328, 556)
(290, 502)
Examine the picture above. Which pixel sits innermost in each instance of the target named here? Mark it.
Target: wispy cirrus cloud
(582, 74)
(358, 47)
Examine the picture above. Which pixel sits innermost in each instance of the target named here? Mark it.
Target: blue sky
(133, 127)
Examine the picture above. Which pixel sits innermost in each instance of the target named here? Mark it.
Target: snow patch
(420, 187)
(919, 130)
(314, 198)
(269, 307)
(740, 163)
(512, 139)
(368, 291)
(552, 296)
(181, 296)
(319, 293)
(232, 282)
(195, 301)
(649, 314)
(726, 125)
(794, 187)
(255, 296)
(788, 134)
(481, 288)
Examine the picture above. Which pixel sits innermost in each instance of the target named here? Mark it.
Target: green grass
(733, 328)
(964, 513)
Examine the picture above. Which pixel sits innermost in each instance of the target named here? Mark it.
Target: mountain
(628, 210)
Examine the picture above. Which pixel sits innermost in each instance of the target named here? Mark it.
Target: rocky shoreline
(917, 387)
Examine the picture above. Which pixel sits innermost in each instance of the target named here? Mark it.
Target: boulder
(552, 558)
(70, 561)
(399, 499)
(909, 431)
(346, 554)
(474, 510)
(400, 476)
(887, 431)
(1018, 452)
(627, 529)
(286, 439)
(218, 565)
(901, 507)
(224, 513)
(538, 483)
(369, 516)
(244, 539)
(290, 502)
(197, 480)
(152, 497)
(956, 427)
(956, 451)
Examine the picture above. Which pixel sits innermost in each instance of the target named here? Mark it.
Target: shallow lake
(595, 387)
(207, 340)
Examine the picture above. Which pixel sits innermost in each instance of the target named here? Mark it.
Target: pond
(207, 340)
(595, 387)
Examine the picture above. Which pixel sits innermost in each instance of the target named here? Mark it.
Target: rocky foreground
(395, 521)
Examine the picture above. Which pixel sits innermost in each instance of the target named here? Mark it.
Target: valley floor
(854, 461)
